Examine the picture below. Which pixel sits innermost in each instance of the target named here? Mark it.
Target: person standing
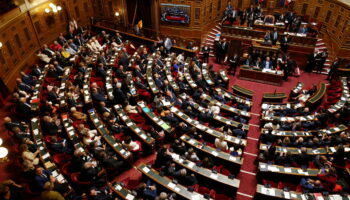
(274, 36)
(334, 69)
(311, 62)
(233, 61)
(206, 51)
(168, 44)
(224, 48)
(284, 43)
(218, 52)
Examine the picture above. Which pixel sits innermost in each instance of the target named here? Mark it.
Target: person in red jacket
(328, 178)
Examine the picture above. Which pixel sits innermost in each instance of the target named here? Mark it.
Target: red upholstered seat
(61, 158)
(75, 178)
(222, 197)
(203, 190)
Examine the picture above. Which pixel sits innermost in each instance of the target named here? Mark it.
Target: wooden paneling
(335, 16)
(25, 29)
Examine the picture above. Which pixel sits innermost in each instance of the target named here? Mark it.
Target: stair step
(211, 36)
(214, 29)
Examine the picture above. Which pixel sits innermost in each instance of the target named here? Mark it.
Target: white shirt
(221, 144)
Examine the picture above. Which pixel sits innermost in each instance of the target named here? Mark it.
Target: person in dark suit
(233, 61)
(224, 48)
(46, 50)
(267, 37)
(206, 51)
(96, 96)
(50, 127)
(303, 30)
(23, 86)
(120, 72)
(109, 162)
(52, 96)
(243, 16)
(311, 62)
(284, 43)
(102, 59)
(23, 106)
(36, 71)
(42, 176)
(218, 52)
(101, 72)
(267, 64)
(334, 69)
(120, 96)
(274, 36)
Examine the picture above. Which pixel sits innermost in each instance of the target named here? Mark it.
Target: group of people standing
(316, 61)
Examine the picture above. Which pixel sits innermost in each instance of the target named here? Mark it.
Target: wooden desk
(330, 131)
(274, 97)
(343, 99)
(131, 85)
(187, 74)
(44, 154)
(168, 184)
(121, 191)
(271, 27)
(271, 49)
(226, 107)
(221, 119)
(248, 33)
(157, 120)
(113, 143)
(235, 97)
(206, 129)
(149, 76)
(169, 75)
(310, 151)
(211, 151)
(318, 95)
(206, 75)
(257, 75)
(242, 91)
(133, 127)
(265, 193)
(282, 170)
(223, 75)
(86, 88)
(62, 91)
(281, 106)
(35, 98)
(216, 177)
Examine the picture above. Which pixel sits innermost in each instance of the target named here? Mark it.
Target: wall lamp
(53, 8)
(0, 45)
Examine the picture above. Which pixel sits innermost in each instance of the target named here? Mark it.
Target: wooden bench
(242, 91)
(274, 97)
(318, 95)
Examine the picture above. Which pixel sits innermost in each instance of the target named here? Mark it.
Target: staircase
(320, 46)
(213, 34)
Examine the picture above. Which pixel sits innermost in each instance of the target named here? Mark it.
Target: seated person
(77, 115)
(42, 176)
(221, 144)
(131, 145)
(49, 193)
(267, 64)
(9, 190)
(100, 194)
(59, 146)
(303, 29)
(267, 38)
(110, 162)
(312, 186)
